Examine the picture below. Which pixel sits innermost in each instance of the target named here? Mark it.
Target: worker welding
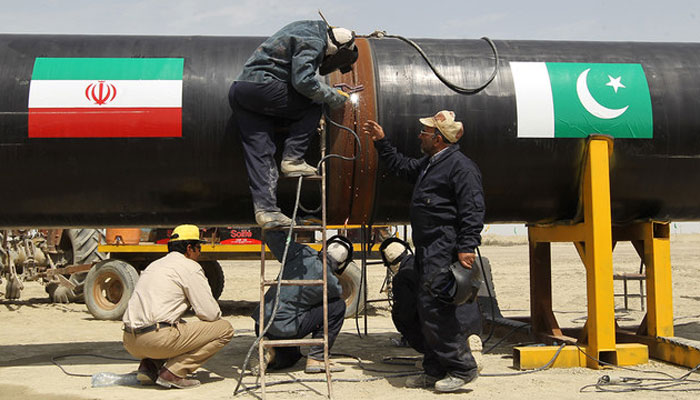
(318, 202)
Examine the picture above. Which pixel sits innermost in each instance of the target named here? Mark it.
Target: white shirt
(166, 288)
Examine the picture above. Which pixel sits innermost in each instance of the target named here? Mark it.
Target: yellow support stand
(594, 243)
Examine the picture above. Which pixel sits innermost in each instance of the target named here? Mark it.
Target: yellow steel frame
(594, 243)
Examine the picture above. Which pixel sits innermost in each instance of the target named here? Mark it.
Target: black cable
(506, 336)
(343, 127)
(532, 371)
(452, 86)
(362, 283)
(491, 297)
(634, 384)
(365, 368)
(55, 362)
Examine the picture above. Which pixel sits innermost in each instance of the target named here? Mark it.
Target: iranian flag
(574, 100)
(106, 97)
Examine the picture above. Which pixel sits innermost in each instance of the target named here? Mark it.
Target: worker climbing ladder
(264, 283)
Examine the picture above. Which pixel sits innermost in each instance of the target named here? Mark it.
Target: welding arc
(458, 89)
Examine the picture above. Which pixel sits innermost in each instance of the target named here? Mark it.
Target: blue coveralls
(277, 83)
(404, 310)
(447, 214)
(300, 309)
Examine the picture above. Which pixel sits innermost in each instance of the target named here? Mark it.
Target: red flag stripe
(104, 122)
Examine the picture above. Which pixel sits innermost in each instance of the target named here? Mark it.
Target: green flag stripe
(108, 69)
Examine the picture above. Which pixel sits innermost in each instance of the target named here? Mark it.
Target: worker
(300, 309)
(168, 346)
(398, 257)
(447, 213)
(279, 87)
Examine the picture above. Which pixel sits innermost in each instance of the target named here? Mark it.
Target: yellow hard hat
(185, 232)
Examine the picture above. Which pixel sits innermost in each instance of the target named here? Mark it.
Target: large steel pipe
(537, 180)
(200, 176)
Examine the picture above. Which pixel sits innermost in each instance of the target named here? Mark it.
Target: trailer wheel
(352, 295)
(108, 287)
(215, 276)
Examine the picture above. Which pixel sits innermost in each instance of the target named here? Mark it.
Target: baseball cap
(445, 122)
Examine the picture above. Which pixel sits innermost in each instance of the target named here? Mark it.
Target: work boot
(421, 381)
(295, 168)
(169, 380)
(268, 356)
(147, 373)
(272, 219)
(476, 347)
(318, 366)
(450, 383)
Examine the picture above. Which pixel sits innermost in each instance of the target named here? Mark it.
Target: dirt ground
(33, 331)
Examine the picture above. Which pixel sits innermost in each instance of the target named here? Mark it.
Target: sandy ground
(34, 331)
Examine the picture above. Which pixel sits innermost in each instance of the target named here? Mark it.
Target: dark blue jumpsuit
(300, 309)
(447, 214)
(279, 85)
(404, 310)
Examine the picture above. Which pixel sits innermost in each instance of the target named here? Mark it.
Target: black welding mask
(467, 282)
(342, 59)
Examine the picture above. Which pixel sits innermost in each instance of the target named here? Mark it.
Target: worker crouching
(169, 347)
(398, 257)
(300, 309)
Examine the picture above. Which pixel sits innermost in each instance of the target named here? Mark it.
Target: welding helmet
(393, 252)
(185, 233)
(341, 51)
(467, 282)
(339, 249)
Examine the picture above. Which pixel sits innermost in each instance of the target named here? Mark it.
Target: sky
(609, 20)
(598, 20)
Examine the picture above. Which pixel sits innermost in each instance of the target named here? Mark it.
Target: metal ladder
(264, 283)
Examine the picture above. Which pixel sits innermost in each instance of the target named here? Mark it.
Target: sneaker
(318, 366)
(476, 347)
(296, 168)
(272, 219)
(451, 383)
(169, 380)
(421, 381)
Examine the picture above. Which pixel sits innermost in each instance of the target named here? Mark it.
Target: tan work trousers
(185, 347)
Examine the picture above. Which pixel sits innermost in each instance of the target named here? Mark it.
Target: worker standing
(300, 309)
(278, 86)
(168, 346)
(447, 213)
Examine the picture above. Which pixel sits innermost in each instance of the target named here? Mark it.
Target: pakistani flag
(106, 97)
(574, 100)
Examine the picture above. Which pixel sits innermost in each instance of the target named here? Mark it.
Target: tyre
(81, 246)
(352, 295)
(215, 276)
(108, 287)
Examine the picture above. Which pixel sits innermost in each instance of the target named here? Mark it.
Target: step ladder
(264, 283)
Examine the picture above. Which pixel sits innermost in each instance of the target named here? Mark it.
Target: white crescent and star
(590, 104)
